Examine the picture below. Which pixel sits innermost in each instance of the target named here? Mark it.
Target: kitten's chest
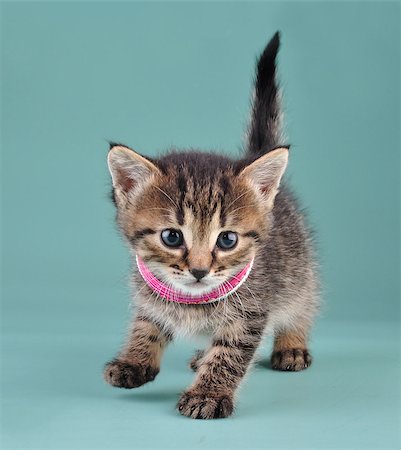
(182, 319)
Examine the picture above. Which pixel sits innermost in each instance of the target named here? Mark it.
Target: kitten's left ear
(266, 172)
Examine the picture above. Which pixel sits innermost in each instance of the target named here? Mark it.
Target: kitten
(219, 249)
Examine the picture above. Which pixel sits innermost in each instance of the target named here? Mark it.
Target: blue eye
(227, 240)
(172, 238)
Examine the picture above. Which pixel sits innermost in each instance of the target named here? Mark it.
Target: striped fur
(202, 195)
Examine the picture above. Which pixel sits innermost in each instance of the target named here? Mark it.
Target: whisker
(159, 209)
(239, 300)
(165, 193)
(240, 196)
(242, 207)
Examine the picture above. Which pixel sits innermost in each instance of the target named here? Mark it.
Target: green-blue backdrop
(154, 75)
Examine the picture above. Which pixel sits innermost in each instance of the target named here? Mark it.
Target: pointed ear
(266, 172)
(129, 171)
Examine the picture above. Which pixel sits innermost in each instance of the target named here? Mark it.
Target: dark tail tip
(266, 67)
(264, 132)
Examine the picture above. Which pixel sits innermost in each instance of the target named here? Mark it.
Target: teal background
(75, 75)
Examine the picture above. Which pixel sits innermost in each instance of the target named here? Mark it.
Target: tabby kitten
(220, 250)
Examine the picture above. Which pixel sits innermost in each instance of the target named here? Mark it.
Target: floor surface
(54, 396)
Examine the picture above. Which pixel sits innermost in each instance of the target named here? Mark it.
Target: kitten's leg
(290, 351)
(139, 361)
(194, 362)
(219, 373)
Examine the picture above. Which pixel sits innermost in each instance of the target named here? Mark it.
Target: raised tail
(264, 133)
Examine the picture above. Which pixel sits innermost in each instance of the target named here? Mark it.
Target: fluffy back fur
(201, 196)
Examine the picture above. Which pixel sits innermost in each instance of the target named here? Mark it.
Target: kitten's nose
(199, 273)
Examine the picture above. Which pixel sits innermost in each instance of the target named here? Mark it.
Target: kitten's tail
(264, 133)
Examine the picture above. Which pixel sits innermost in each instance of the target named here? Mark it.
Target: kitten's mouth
(174, 295)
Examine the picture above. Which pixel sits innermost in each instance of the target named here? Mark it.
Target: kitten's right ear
(130, 171)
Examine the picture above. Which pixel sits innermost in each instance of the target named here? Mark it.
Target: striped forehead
(202, 201)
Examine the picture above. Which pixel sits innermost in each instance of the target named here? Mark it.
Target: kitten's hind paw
(205, 406)
(194, 362)
(294, 360)
(124, 375)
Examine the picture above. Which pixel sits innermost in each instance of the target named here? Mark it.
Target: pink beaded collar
(166, 292)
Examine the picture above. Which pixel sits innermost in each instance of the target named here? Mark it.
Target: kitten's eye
(227, 240)
(172, 238)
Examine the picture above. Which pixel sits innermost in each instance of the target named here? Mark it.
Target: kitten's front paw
(291, 360)
(124, 375)
(198, 406)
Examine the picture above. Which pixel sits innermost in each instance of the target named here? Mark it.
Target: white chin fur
(195, 288)
(187, 285)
